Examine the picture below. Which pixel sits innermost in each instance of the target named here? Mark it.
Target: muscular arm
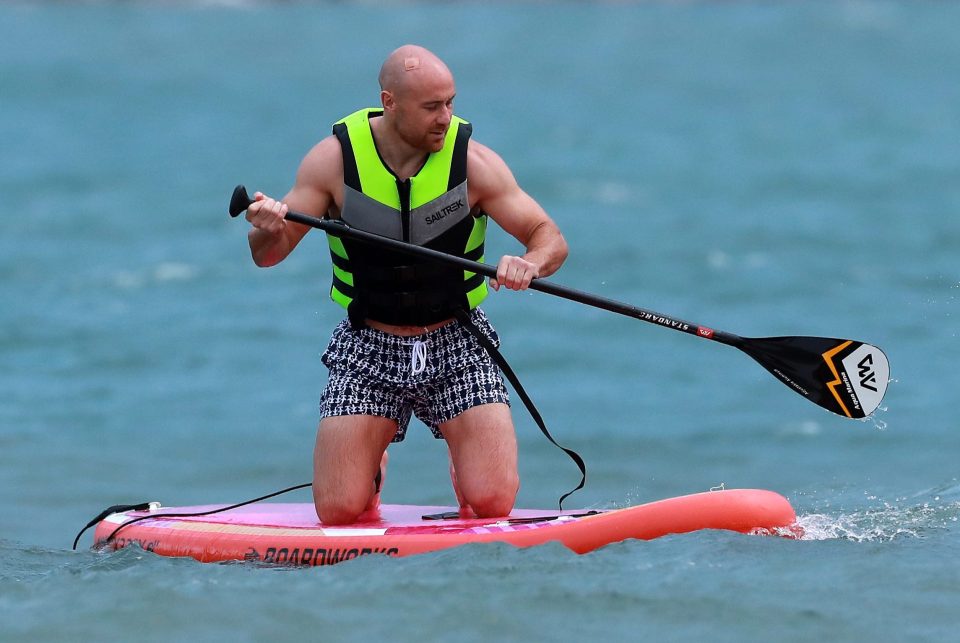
(520, 215)
(272, 237)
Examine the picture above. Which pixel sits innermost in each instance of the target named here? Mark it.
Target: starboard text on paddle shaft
(663, 321)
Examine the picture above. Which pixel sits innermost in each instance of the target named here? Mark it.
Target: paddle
(844, 376)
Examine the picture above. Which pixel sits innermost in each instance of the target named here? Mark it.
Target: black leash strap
(143, 506)
(146, 505)
(464, 319)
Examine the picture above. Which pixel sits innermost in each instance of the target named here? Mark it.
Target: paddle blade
(843, 376)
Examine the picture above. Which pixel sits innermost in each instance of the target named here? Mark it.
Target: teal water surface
(761, 168)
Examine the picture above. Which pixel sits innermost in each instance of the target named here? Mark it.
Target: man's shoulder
(475, 148)
(325, 156)
(325, 150)
(322, 167)
(483, 164)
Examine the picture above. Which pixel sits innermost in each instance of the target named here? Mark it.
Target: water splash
(878, 424)
(885, 523)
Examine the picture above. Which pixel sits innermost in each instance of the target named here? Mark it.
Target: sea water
(761, 168)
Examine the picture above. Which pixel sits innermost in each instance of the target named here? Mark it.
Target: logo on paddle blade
(868, 378)
(860, 377)
(869, 373)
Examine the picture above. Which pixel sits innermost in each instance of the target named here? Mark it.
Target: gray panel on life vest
(369, 215)
(432, 219)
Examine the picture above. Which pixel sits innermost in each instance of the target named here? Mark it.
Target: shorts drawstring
(418, 357)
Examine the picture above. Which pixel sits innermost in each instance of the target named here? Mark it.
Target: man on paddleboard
(408, 344)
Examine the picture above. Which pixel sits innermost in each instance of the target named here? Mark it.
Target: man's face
(424, 108)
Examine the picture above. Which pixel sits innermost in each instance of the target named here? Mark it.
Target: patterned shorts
(436, 376)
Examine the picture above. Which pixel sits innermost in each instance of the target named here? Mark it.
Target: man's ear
(387, 100)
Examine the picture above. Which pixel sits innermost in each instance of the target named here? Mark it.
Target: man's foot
(374, 504)
(465, 510)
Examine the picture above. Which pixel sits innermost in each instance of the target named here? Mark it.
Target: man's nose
(446, 115)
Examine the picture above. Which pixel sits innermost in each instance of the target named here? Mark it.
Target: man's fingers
(266, 214)
(515, 273)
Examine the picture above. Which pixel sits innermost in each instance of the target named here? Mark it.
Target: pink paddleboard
(290, 534)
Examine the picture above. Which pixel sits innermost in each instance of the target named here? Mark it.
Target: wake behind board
(290, 534)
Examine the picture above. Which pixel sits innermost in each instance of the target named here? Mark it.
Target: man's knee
(494, 501)
(349, 456)
(337, 511)
(347, 502)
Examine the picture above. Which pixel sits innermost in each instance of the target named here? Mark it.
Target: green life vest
(429, 209)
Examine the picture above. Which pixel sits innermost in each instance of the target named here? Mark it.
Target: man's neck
(402, 159)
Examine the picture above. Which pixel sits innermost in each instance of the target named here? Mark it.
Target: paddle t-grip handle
(240, 201)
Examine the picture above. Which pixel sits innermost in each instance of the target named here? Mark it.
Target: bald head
(412, 66)
(416, 91)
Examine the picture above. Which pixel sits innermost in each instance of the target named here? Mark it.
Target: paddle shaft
(338, 228)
